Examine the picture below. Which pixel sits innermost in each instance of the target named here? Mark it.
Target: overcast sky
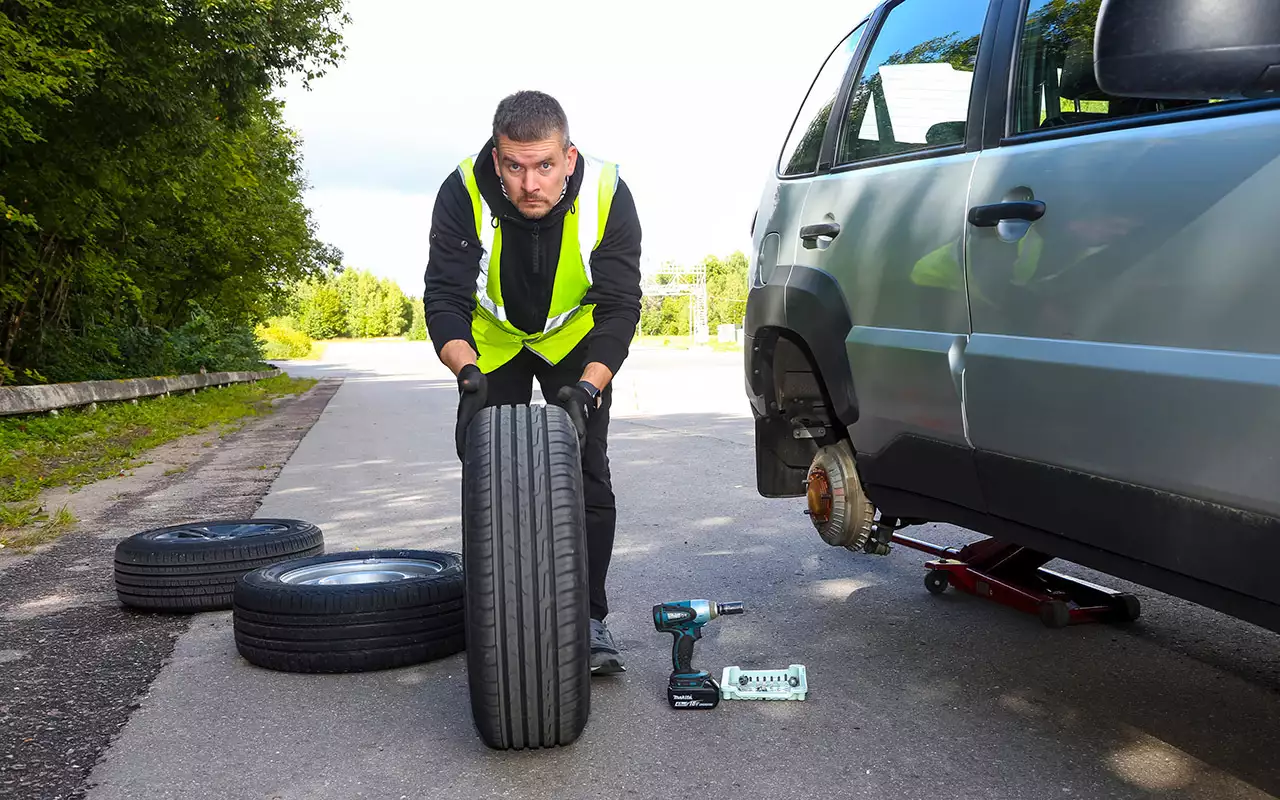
(692, 99)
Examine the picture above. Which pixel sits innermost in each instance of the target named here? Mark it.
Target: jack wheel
(936, 581)
(1055, 614)
(1127, 608)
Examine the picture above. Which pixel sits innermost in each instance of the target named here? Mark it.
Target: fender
(802, 314)
(807, 304)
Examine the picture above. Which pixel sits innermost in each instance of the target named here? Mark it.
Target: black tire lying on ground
(351, 612)
(525, 560)
(194, 566)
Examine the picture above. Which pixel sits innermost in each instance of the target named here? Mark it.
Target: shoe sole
(610, 666)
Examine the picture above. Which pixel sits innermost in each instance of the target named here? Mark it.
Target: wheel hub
(838, 507)
(364, 570)
(222, 530)
(819, 495)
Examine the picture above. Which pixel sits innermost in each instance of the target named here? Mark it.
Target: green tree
(417, 321)
(393, 314)
(146, 178)
(726, 289)
(317, 306)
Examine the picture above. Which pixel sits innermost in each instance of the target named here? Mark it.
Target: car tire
(525, 559)
(351, 612)
(195, 566)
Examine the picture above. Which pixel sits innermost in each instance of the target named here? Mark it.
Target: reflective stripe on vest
(567, 321)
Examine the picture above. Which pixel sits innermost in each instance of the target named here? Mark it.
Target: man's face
(534, 172)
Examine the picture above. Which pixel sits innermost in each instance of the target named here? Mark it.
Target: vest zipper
(537, 253)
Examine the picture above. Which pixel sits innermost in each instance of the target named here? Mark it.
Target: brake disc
(838, 506)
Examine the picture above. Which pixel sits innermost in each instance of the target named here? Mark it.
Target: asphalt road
(912, 696)
(73, 660)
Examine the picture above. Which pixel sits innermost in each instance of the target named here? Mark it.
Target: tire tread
(527, 614)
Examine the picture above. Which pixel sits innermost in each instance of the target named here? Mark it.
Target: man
(561, 305)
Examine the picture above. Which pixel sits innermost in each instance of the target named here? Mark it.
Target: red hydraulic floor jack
(1014, 576)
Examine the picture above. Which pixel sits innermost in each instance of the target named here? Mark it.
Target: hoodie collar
(493, 193)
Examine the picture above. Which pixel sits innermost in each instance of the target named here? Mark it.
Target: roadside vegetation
(340, 304)
(80, 446)
(151, 196)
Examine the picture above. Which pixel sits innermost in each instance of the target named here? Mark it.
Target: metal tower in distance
(668, 280)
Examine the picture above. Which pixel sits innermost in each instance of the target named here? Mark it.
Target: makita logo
(683, 697)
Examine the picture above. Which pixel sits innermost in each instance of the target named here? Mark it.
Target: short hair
(530, 116)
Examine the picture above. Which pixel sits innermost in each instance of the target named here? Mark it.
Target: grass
(26, 526)
(77, 447)
(686, 343)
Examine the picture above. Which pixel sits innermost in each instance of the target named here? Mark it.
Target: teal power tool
(683, 619)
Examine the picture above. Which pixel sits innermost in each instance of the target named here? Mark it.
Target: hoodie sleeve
(453, 264)
(615, 287)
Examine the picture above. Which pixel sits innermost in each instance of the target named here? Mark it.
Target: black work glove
(581, 404)
(473, 390)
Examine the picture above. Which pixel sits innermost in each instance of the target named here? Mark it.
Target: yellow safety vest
(568, 320)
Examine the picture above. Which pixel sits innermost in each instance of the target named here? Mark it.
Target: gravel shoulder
(74, 663)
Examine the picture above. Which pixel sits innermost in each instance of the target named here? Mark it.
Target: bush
(114, 351)
(282, 342)
(214, 345)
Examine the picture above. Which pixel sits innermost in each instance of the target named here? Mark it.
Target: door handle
(992, 215)
(820, 229)
(810, 234)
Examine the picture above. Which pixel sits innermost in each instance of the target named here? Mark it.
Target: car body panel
(1132, 333)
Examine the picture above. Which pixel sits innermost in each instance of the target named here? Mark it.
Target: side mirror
(1188, 49)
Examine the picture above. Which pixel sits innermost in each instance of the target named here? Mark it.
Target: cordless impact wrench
(683, 619)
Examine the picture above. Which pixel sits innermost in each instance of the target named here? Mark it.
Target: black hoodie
(530, 252)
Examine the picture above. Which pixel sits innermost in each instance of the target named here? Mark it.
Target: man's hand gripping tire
(581, 404)
(473, 391)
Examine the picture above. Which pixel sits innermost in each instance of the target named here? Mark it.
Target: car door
(1122, 378)
(774, 232)
(887, 221)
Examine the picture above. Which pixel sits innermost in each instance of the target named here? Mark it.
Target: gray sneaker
(605, 659)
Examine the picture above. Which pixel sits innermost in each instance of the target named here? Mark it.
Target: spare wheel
(351, 612)
(194, 566)
(523, 530)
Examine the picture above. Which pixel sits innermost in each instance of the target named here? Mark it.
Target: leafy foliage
(961, 54)
(1062, 23)
(351, 303)
(418, 323)
(319, 308)
(282, 341)
(147, 182)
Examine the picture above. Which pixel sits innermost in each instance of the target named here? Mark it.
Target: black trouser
(512, 384)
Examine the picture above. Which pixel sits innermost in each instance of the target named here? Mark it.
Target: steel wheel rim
(354, 571)
(219, 531)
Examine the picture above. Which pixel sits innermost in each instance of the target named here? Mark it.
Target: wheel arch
(798, 374)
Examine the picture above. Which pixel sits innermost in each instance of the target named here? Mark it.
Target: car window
(913, 93)
(800, 153)
(1055, 85)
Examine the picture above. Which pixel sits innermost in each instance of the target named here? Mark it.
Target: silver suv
(996, 287)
